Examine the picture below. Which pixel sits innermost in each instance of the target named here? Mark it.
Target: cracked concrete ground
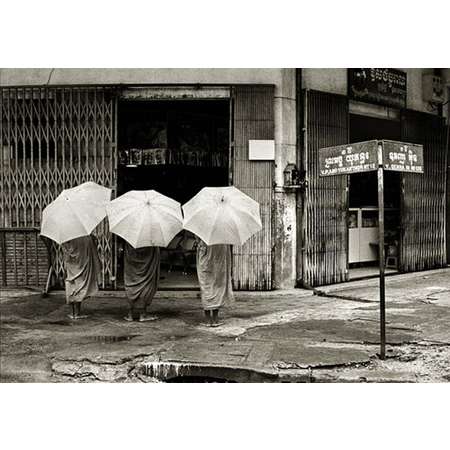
(291, 336)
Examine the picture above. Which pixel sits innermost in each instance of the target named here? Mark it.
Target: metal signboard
(402, 157)
(348, 159)
(380, 86)
(379, 155)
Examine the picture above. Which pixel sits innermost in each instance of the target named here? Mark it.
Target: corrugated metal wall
(423, 205)
(52, 139)
(253, 118)
(324, 228)
(448, 186)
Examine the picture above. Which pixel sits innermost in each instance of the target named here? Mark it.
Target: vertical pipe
(299, 128)
(381, 251)
(305, 130)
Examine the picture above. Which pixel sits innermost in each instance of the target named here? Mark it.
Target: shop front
(174, 139)
(340, 214)
(176, 131)
(175, 148)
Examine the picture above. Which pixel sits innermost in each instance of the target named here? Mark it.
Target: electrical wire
(50, 76)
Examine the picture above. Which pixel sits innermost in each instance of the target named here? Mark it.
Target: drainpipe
(300, 193)
(440, 108)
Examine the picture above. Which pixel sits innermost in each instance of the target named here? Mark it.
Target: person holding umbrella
(220, 217)
(142, 269)
(69, 221)
(83, 270)
(214, 276)
(146, 220)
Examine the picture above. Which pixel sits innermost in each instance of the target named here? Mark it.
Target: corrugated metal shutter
(24, 258)
(423, 199)
(447, 138)
(324, 228)
(253, 118)
(52, 139)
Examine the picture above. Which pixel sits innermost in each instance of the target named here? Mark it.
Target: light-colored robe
(214, 275)
(142, 269)
(83, 268)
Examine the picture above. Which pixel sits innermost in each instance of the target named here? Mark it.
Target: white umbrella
(222, 215)
(145, 218)
(75, 212)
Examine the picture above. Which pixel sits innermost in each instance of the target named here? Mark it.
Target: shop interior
(175, 148)
(363, 204)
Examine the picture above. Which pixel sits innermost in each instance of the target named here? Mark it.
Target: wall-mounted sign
(261, 150)
(381, 86)
(348, 159)
(402, 157)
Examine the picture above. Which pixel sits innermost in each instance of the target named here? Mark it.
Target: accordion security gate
(52, 139)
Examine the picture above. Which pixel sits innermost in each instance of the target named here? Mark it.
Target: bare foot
(128, 318)
(145, 318)
(71, 316)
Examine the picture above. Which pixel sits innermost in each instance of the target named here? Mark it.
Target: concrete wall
(285, 201)
(335, 81)
(141, 76)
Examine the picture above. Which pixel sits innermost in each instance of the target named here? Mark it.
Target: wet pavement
(331, 335)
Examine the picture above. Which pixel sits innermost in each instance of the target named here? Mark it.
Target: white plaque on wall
(261, 150)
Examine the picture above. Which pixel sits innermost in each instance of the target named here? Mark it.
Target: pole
(381, 251)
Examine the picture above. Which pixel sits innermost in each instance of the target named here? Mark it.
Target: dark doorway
(363, 201)
(175, 148)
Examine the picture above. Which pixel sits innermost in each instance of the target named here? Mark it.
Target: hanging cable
(50, 76)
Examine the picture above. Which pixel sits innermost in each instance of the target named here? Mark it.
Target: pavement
(330, 334)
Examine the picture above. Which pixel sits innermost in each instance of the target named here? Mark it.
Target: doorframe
(177, 93)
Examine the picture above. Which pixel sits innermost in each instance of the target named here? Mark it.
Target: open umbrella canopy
(222, 215)
(145, 218)
(75, 212)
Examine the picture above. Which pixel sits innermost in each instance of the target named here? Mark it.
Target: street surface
(330, 335)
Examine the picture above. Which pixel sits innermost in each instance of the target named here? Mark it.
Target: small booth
(363, 235)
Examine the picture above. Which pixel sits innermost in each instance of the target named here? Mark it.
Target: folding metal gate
(253, 118)
(423, 199)
(324, 228)
(54, 138)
